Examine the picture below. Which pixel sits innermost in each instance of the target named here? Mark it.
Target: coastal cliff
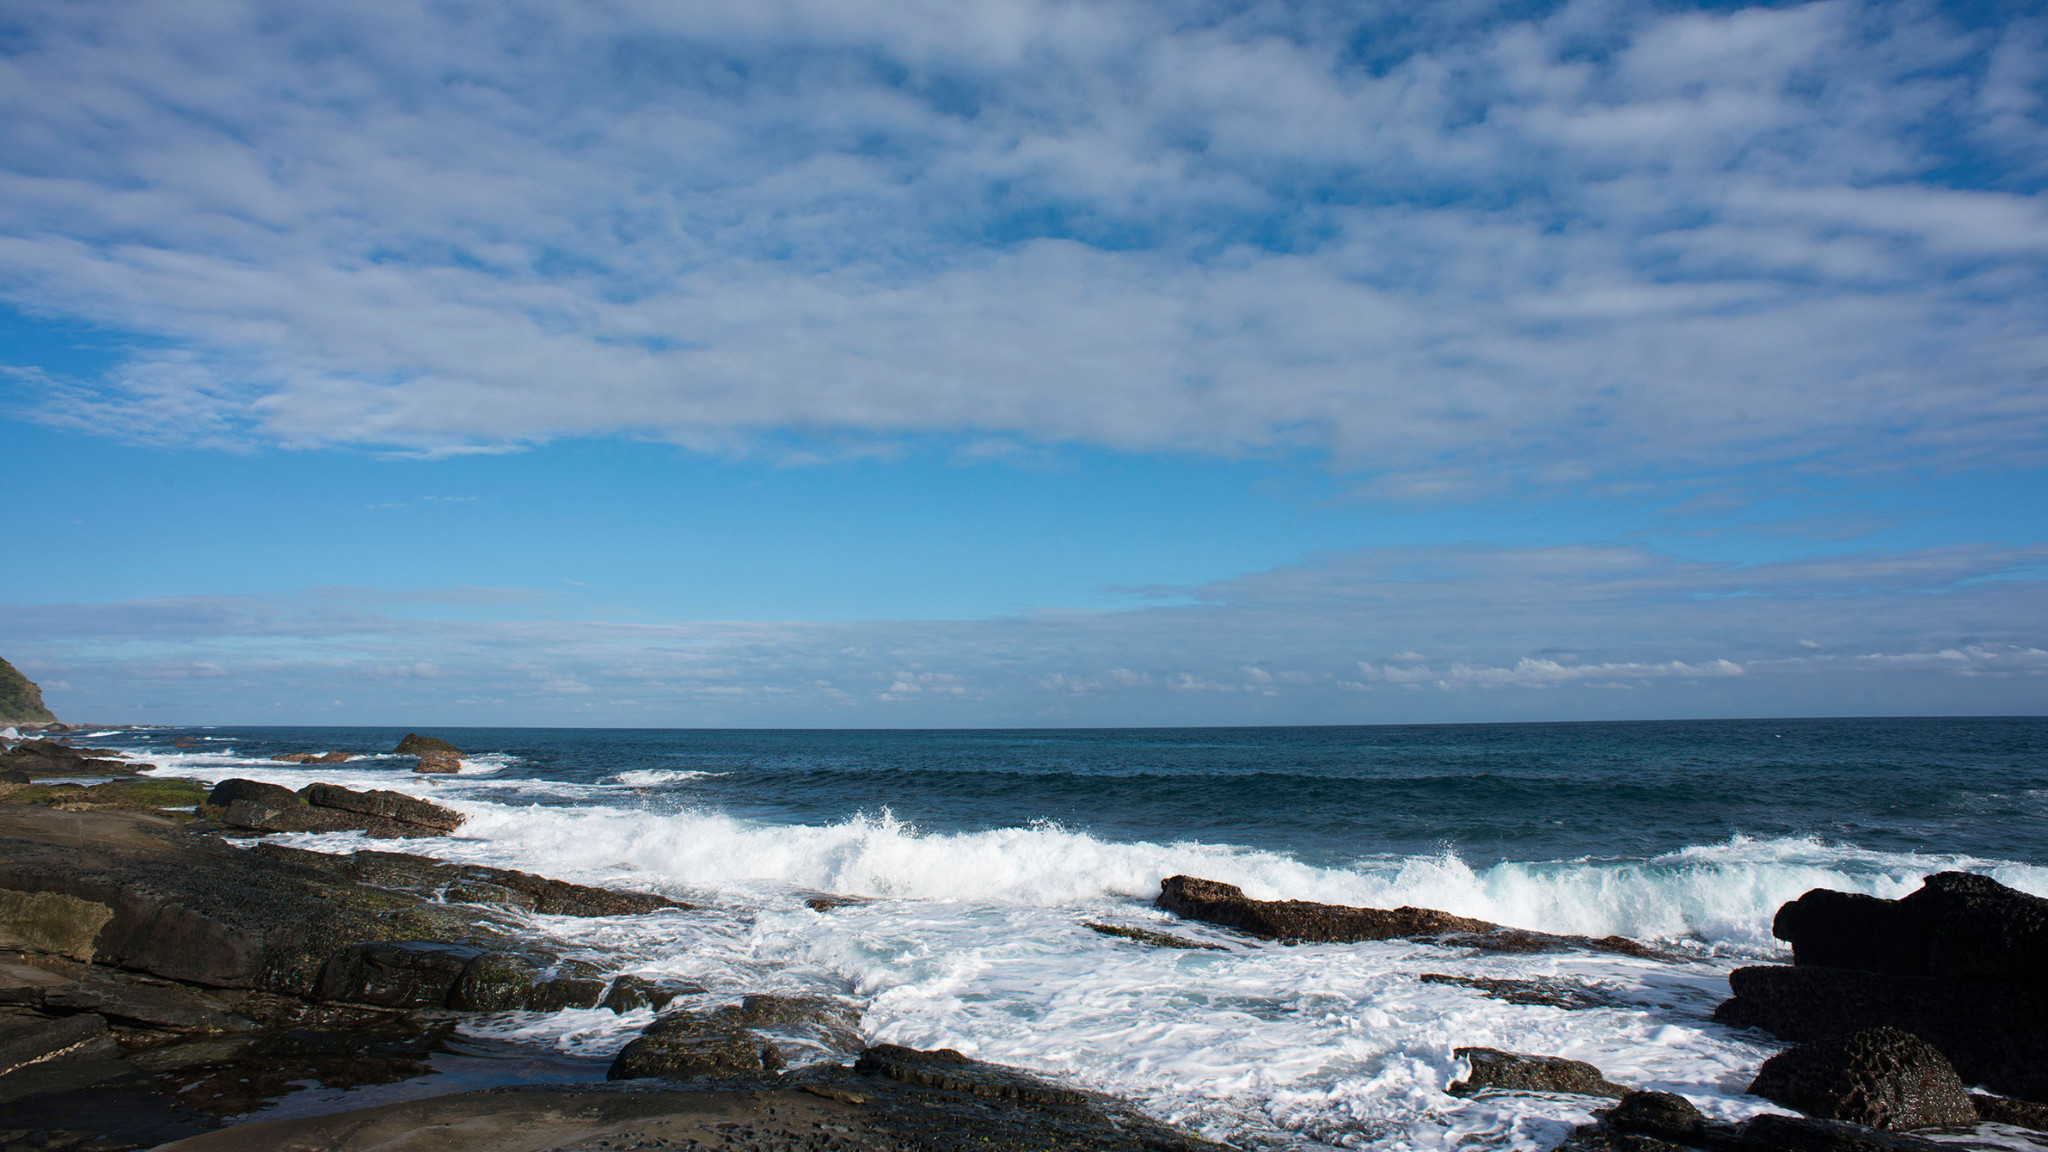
(21, 700)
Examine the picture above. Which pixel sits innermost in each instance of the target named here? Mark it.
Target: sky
(825, 363)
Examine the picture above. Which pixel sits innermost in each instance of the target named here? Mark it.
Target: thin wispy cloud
(1369, 635)
(1455, 249)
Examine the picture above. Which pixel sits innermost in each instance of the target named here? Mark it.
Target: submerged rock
(1513, 1072)
(1154, 939)
(1881, 1078)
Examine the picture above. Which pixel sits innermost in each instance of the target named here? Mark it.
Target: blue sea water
(982, 855)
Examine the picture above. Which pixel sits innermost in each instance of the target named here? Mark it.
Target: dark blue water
(1330, 794)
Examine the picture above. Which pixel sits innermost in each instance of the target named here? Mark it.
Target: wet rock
(28, 1038)
(157, 1005)
(474, 884)
(1994, 1033)
(1880, 1077)
(685, 1044)
(1956, 926)
(1663, 1122)
(414, 744)
(1661, 1115)
(494, 982)
(1547, 993)
(292, 757)
(387, 805)
(630, 993)
(1774, 1133)
(1217, 903)
(1514, 1072)
(1154, 939)
(570, 984)
(948, 1069)
(809, 1021)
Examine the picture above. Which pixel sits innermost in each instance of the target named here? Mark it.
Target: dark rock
(1155, 939)
(132, 891)
(1775, 1133)
(830, 900)
(567, 984)
(629, 993)
(1994, 1033)
(15, 776)
(1548, 993)
(33, 1039)
(494, 982)
(2006, 1110)
(1512, 1072)
(262, 818)
(395, 973)
(809, 1021)
(685, 1044)
(474, 884)
(414, 744)
(42, 758)
(161, 1005)
(948, 1069)
(1663, 1115)
(292, 757)
(229, 792)
(1957, 925)
(388, 805)
(1880, 1077)
(438, 764)
(1195, 899)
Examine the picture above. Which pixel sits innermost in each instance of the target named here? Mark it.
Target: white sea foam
(650, 777)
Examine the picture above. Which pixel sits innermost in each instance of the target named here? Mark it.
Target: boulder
(494, 982)
(415, 744)
(1658, 1115)
(228, 792)
(1957, 926)
(570, 984)
(388, 805)
(292, 757)
(1993, 1032)
(1513, 1072)
(1195, 899)
(1880, 1077)
(631, 993)
(685, 1044)
(438, 764)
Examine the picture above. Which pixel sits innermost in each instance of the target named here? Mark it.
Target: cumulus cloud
(1605, 240)
(1379, 635)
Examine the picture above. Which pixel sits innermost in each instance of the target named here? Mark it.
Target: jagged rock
(414, 744)
(1662, 1115)
(166, 1006)
(438, 764)
(1195, 899)
(1774, 1133)
(1154, 939)
(1994, 1033)
(685, 1044)
(387, 805)
(1513, 1072)
(475, 884)
(1880, 1077)
(1663, 1122)
(948, 1069)
(1957, 925)
(1548, 993)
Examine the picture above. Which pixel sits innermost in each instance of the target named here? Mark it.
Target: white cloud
(1612, 240)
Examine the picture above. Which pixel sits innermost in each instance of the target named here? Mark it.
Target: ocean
(984, 853)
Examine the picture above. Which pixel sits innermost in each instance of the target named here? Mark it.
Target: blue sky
(1024, 363)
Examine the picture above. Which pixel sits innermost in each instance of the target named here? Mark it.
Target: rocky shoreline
(164, 971)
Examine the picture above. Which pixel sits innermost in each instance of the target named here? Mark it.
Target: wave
(653, 776)
(1723, 895)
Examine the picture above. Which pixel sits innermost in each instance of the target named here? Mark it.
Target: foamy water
(974, 940)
